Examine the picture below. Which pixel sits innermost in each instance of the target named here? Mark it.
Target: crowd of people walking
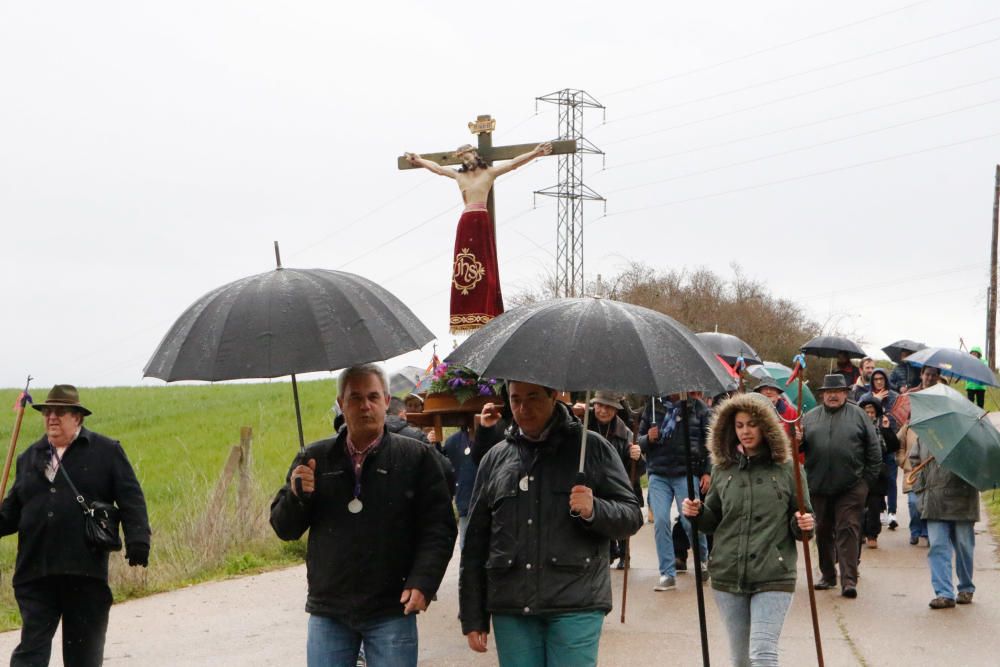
(542, 498)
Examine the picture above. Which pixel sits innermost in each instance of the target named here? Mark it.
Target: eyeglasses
(58, 412)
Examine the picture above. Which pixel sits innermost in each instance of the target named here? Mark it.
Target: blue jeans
(389, 642)
(891, 468)
(947, 538)
(555, 640)
(754, 624)
(663, 492)
(918, 527)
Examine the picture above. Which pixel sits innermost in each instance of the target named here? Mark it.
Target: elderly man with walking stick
(60, 573)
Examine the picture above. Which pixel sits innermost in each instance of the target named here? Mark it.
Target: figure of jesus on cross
(475, 286)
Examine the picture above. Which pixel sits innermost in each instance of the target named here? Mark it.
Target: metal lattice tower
(570, 190)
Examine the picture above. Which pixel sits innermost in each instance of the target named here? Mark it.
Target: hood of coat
(871, 399)
(722, 440)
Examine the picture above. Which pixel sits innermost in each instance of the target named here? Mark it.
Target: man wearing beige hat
(58, 575)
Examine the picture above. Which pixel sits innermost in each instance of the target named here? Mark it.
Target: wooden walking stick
(19, 405)
(800, 365)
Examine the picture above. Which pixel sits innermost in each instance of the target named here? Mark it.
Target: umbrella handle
(911, 477)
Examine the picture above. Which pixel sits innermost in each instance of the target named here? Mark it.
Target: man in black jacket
(535, 555)
(381, 530)
(58, 575)
(843, 459)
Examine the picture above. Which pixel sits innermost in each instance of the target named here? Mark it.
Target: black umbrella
(954, 363)
(284, 322)
(831, 346)
(729, 347)
(895, 350)
(587, 343)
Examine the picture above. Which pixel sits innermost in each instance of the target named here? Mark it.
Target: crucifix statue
(475, 285)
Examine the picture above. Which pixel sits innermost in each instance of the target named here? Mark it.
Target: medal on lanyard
(468, 450)
(523, 484)
(356, 505)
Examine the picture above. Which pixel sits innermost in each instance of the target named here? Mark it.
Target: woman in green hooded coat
(751, 508)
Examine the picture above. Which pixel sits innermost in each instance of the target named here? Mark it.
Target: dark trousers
(977, 396)
(81, 602)
(838, 532)
(874, 506)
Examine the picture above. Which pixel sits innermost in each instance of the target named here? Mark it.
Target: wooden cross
(483, 127)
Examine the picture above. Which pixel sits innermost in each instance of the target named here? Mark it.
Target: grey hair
(362, 369)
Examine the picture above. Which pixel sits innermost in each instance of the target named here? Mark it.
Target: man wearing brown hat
(843, 458)
(58, 575)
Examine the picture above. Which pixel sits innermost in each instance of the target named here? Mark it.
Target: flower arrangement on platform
(461, 383)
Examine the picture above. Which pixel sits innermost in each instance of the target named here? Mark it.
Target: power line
(364, 216)
(785, 98)
(800, 126)
(888, 283)
(802, 148)
(769, 49)
(793, 75)
(800, 177)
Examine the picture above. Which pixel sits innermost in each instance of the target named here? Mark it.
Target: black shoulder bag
(102, 520)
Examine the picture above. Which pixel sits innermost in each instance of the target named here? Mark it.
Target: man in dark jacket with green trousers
(536, 550)
(843, 459)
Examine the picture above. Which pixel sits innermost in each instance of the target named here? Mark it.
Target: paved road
(259, 620)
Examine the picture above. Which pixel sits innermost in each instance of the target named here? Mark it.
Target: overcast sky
(843, 153)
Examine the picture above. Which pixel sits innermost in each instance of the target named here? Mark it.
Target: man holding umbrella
(381, 530)
(535, 556)
(843, 459)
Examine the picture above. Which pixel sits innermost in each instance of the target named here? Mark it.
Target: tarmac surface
(259, 620)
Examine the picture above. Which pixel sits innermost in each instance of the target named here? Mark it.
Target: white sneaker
(884, 518)
(893, 524)
(666, 584)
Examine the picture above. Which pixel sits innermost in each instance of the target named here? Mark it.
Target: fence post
(244, 491)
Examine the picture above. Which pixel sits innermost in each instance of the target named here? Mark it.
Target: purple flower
(485, 391)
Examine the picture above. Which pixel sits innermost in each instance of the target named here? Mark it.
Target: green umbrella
(781, 373)
(958, 434)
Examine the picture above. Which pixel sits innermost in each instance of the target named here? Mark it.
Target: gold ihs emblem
(468, 271)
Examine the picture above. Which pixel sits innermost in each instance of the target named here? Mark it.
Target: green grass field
(178, 439)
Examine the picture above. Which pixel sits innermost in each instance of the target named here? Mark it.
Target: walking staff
(686, 435)
(19, 405)
(797, 372)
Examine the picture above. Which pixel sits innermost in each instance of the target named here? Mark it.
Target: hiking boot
(825, 584)
(964, 597)
(666, 584)
(893, 524)
(681, 565)
(849, 592)
(941, 603)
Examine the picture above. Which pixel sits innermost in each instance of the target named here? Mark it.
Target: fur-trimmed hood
(722, 440)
